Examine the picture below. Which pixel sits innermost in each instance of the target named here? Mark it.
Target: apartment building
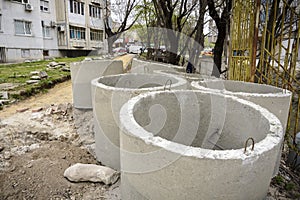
(38, 29)
(80, 26)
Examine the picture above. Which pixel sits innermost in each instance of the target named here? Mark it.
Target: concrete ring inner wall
(275, 99)
(191, 155)
(109, 93)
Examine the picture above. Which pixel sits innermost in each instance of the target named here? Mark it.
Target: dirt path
(61, 93)
(36, 148)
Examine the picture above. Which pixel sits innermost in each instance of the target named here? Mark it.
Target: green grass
(278, 179)
(19, 73)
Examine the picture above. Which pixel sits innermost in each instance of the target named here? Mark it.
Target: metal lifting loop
(286, 86)
(246, 144)
(170, 84)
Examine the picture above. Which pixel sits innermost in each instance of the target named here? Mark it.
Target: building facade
(38, 29)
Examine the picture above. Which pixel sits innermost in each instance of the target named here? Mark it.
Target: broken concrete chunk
(49, 111)
(53, 64)
(66, 69)
(7, 155)
(91, 172)
(32, 81)
(35, 78)
(4, 95)
(4, 102)
(22, 109)
(43, 74)
(87, 59)
(62, 63)
(37, 109)
(34, 73)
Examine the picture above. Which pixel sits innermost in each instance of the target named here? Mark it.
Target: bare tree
(198, 33)
(173, 16)
(124, 11)
(222, 21)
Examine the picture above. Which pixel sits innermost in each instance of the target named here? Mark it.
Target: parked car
(207, 52)
(135, 49)
(119, 50)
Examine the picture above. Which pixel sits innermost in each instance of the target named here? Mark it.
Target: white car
(135, 49)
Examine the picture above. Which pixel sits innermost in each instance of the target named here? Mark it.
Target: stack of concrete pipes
(179, 136)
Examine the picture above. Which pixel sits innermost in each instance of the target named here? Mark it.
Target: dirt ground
(36, 146)
(61, 93)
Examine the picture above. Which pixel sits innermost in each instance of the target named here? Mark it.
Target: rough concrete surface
(276, 100)
(83, 72)
(32, 165)
(198, 150)
(80, 172)
(109, 93)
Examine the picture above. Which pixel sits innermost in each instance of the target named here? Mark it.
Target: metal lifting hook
(170, 84)
(246, 144)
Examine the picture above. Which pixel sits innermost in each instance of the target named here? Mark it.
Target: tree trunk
(221, 23)
(218, 52)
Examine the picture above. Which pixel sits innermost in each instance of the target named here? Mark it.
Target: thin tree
(124, 10)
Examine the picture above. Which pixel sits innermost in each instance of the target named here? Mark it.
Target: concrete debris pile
(37, 76)
(58, 65)
(3, 98)
(29, 127)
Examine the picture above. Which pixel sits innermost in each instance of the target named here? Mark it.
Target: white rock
(53, 64)
(35, 78)
(90, 172)
(88, 59)
(34, 73)
(7, 155)
(32, 81)
(4, 95)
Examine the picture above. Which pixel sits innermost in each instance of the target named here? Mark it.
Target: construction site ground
(36, 146)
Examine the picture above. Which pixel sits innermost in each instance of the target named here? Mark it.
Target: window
(95, 11)
(76, 7)
(46, 32)
(0, 22)
(44, 5)
(77, 33)
(96, 35)
(45, 52)
(22, 27)
(21, 1)
(25, 53)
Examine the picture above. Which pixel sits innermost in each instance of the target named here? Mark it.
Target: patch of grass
(19, 73)
(289, 186)
(278, 179)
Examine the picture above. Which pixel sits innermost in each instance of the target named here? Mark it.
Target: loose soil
(37, 147)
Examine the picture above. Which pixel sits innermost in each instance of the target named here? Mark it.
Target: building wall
(57, 19)
(28, 47)
(14, 43)
(80, 21)
(50, 44)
